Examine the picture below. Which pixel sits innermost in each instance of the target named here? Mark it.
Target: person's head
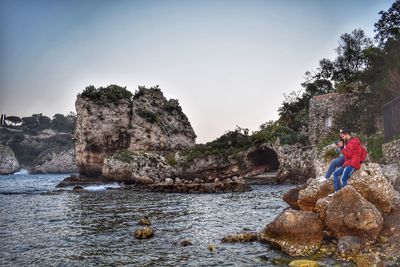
(345, 133)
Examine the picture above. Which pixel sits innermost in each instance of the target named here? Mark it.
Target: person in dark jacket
(352, 155)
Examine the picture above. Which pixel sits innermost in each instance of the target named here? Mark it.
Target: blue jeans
(345, 172)
(336, 163)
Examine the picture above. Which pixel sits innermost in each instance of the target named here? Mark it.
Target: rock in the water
(298, 233)
(8, 162)
(350, 214)
(349, 247)
(211, 247)
(315, 190)
(303, 263)
(144, 221)
(292, 196)
(78, 188)
(240, 237)
(371, 183)
(144, 232)
(186, 242)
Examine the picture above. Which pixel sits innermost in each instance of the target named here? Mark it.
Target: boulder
(240, 237)
(144, 232)
(372, 184)
(303, 263)
(350, 214)
(298, 233)
(315, 190)
(292, 196)
(322, 205)
(144, 221)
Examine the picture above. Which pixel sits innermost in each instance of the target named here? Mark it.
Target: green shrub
(124, 156)
(374, 147)
(171, 159)
(330, 154)
(105, 95)
(148, 115)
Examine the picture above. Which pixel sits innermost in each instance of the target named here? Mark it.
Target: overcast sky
(227, 62)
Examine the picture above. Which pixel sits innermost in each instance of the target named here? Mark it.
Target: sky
(229, 63)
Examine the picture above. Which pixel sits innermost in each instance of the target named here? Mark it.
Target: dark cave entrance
(264, 157)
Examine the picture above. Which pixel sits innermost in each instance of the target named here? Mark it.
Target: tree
(388, 26)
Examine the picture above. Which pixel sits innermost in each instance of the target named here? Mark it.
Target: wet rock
(144, 232)
(349, 247)
(292, 196)
(303, 263)
(240, 237)
(369, 260)
(315, 190)
(350, 214)
(211, 247)
(144, 221)
(78, 188)
(82, 180)
(371, 183)
(200, 187)
(298, 233)
(186, 242)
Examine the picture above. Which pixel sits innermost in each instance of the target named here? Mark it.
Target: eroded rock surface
(8, 162)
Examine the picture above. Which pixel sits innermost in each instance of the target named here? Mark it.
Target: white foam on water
(21, 172)
(102, 187)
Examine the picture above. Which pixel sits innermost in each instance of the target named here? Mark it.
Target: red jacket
(352, 153)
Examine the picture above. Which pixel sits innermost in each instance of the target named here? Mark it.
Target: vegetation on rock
(105, 95)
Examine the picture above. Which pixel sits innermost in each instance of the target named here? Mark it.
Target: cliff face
(56, 162)
(8, 162)
(147, 123)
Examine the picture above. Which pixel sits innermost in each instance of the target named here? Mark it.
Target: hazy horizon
(227, 62)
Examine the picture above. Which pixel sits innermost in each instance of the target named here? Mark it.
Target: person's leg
(336, 179)
(336, 163)
(348, 171)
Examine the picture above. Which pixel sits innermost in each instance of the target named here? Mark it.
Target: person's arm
(346, 151)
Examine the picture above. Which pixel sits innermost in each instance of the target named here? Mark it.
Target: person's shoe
(331, 194)
(321, 179)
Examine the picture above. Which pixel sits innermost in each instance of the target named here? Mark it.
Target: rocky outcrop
(8, 162)
(136, 167)
(391, 151)
(56, 162)
(297, 233)
(350, 214)
(148, 123)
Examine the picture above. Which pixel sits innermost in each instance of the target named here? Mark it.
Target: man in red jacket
(352, 154)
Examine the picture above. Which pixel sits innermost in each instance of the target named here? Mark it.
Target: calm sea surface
(42, 227)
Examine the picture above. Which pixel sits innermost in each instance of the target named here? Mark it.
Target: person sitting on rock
(335, 163)
(352, 154)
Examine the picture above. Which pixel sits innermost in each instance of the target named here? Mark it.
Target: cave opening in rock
(264, 157)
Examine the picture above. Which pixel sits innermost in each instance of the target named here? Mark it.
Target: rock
(185, 243)
(371, 183)
(8, 162)
(291, 197)
(350, 214)
(240, 237)
(144, 221)
(390, 234)
(149, 122)
(369, 260)
(211, 247)
(303, 263)
(177, 180)
(144, 232)
(297, 233)
(349, 247)
(315, 190)
(169, 181)
(321, 206)
(56, 162)
(78, 188)
(82, 180)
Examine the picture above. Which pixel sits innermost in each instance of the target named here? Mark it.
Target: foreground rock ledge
(298, 233)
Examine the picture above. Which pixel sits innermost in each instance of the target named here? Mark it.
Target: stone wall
(324, 110)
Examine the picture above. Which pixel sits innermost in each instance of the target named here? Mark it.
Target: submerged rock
(185, 243)
(303, 263)
(144, 232)
(350, 214)
(240, 237)
(298, 233)
(78, 188)
(144, 221)
(349, 247)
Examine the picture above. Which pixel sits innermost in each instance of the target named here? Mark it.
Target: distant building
(3, 120)
(323, 112)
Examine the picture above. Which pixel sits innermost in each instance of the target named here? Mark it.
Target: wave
(102, 187)
(21, 172)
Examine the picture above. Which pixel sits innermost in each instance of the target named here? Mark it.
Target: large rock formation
(350, 214)
(8, 162)
(295, 232)
(148, 123)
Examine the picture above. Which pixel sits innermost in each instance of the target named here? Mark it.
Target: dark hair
(345, 130)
